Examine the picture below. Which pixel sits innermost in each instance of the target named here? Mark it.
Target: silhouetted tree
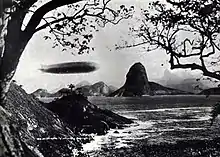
(71, 87)
(187, 30)
(70, 23)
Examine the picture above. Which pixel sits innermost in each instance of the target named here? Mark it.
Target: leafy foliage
(71, 87)
(73, 26)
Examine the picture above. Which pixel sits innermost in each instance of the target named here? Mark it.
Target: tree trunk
(3, 33)
(12, 44)
(8, 67)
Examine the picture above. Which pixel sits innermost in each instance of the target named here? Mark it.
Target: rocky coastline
(79, 113)
(43, 132)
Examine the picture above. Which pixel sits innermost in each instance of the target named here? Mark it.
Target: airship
(70, 67)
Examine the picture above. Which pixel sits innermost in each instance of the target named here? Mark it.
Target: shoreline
(156, 99)
(159, 99)
(185, 147)
(197, 139)
(188, 148)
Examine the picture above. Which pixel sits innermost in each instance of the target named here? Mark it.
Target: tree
(188, 30)
(70, 23)
(71, 87)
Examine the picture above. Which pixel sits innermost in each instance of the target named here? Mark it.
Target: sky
(114, 64)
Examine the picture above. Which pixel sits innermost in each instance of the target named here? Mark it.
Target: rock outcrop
(78, 112)
(39, 132)
(42, 133)
(136, 82)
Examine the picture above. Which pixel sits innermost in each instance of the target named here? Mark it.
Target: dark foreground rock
(41, 132)
(28, 129)
(79, 113)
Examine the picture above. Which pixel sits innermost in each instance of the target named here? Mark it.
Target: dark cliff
(40, 130)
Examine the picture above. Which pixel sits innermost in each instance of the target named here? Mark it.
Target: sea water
(168, 122)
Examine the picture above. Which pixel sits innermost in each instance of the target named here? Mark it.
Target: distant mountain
(157, 89)
(137, 84)
(61, 92)
(41, 93)
(169, 78)
(211, 91)
(113, 88)
(83, 83)
(84, 87)
(97, 89)
(188, 84)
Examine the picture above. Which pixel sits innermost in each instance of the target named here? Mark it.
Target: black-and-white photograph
(109, 78)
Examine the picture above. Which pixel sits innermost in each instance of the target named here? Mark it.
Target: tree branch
(39, 13)
(194, 66)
